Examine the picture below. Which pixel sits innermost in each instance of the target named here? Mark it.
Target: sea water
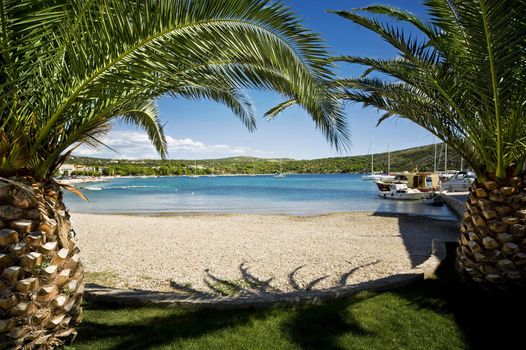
(262, 194)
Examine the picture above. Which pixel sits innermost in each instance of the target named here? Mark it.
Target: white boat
(195, 176)
(385, 182)
(372, 177)
(387, 177)
(461, 181)
(434, 199)
(213, 170)
(402, 192)
(92, 188)
(280, 175)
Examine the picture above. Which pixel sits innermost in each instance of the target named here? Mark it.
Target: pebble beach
(245, 253)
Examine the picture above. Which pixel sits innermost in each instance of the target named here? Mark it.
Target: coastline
(169, 214)
(95, 179)
(252, 253)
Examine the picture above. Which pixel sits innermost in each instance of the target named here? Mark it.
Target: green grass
(433, 314)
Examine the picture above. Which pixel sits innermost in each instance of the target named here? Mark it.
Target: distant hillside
(407, 159)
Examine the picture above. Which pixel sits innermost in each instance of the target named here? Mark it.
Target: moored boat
(372, 177)
(424, 182)
(92, 188)
(434, 199)
(402, 192)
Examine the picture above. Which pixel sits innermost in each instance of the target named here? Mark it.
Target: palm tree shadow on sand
(322, 326)
(417, 234)
(249, 284)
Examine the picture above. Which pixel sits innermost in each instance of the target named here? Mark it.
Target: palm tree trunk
(492, 249)
(41, 283)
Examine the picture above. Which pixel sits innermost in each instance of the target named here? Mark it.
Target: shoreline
(279, 214)
(95, 179)
(247, 253)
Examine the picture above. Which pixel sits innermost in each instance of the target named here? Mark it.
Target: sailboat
(280, 170)
(446, 175)
(213, 171)
(388, 176)
(195, 169)
(254, 170)
(372, 175)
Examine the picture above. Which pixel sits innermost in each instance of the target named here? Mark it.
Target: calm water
(293, 194)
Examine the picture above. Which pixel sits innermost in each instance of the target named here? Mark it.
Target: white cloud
(85, 151)
(136, 145)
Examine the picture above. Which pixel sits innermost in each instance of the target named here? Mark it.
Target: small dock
(456, 201)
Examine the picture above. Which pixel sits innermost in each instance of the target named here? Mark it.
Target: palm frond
(274, 111)
(69, 67)
(462, 80)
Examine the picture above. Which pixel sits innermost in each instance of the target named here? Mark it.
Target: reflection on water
(293, 194)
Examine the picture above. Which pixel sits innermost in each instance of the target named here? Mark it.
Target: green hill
(407, 159)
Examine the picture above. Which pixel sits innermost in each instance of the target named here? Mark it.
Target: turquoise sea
(292, 194)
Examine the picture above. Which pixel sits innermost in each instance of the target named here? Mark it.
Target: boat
(194, 176)
(402, 192)
(434, 199)
(254, 173)
(387, 177)
(424, 182)
(213, 171)
(372, 176)
(93, 188)
(461, 181)
(378, 176)
(280, 174)
(385, 182)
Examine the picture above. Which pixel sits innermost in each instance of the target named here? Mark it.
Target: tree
(69, 68)
(461, 76)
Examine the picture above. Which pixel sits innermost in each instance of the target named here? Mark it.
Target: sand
(248, 254)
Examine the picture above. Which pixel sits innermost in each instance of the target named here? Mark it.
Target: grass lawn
(433, 314)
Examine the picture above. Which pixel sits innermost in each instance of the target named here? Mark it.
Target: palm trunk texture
(41, 283)
(493, 235)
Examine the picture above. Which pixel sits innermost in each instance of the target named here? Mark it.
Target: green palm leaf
(70, 67)
(461, 77)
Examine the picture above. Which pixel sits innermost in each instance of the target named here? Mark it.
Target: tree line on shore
(421, 158)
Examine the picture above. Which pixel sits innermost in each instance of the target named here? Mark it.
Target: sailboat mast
(435, 162)
(372, 156)
(388, 158)
(445, 159)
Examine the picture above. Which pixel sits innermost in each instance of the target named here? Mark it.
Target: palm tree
(461, 76)
(69, 68)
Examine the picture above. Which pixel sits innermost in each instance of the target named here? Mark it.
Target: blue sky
(202, 129)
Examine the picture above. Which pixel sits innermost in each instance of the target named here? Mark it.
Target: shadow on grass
(308, 326)
(158, 330)
(322, 326)
(485, 318)
(475, 319)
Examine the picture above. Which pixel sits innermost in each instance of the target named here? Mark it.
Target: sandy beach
(238, 253)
